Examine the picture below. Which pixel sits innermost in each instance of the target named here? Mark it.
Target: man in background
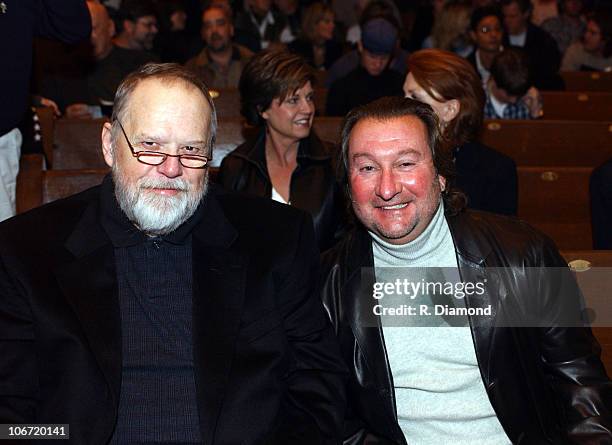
(259, 26)
(541, 49)
(220, 63)
(372, 78)
(510, 91)
(487, 31)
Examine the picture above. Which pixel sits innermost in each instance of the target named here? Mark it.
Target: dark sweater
(157, 402)
(359, 88)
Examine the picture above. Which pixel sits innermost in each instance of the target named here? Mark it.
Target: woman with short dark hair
(285, 161)
(450, 85)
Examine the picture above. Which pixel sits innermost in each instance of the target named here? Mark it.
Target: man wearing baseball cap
(372, 79)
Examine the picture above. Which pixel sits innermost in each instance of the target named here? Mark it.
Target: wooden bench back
(582, 261)
(36, 186)
(577, 106)
(545, 142)
(556, 201)
(587, 81)
(77, 144)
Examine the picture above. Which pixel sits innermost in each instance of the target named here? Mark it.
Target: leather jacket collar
(310, 150)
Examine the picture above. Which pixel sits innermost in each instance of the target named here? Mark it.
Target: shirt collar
(498, 106)
(518, 39)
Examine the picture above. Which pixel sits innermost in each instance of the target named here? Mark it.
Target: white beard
(156, 214)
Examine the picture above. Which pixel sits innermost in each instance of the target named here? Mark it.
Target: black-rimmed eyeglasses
(158, 158)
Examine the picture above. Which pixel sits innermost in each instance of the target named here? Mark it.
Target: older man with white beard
(157, 309)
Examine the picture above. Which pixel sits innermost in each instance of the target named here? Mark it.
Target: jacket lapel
(218, 297)
(367, 328)
(471, 257)
(90, 286)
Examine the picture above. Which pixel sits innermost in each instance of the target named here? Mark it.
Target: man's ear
(442, 182)
(359, 47)
(112, 30)
(107, 144)
(473, 37)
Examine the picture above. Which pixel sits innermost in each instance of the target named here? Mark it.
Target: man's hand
(50, 104)
(533, 101)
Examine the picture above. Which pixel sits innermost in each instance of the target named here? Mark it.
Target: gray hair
(166, 72)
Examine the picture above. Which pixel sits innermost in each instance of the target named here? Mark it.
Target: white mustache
(160, 183)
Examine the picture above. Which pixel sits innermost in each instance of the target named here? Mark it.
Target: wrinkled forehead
(160, 100)
(389, 138)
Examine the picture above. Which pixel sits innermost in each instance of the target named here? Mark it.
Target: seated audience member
(541, 49)
(372, 78)
(369, 9)
(458, 327)
(451, 30)
(138, 28)
(86, 90)
(316, 42)
(259, 26)
(594, 52)
(292, 12)
(568, 27)
(601, 206)
(542, 10)
(221, 62)
(158, 308)
(173, 42)
(450, 85)
(487, 32)
(285, 161)
(351, 60)
(510, 91)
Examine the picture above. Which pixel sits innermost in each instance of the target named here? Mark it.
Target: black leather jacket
(314, 186)
(547, 385)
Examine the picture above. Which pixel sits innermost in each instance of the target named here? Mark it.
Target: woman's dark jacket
(487, 177)
(314, 186)
(303, 47)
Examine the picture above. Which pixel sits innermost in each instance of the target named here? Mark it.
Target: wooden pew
(36, 186)
(328, 128)
(587, 81)
(577, 106)
(77, 144)
(547, 142)
(583, 262)
(227, 102)
(320, 99)
(556, 201)
(47, 130)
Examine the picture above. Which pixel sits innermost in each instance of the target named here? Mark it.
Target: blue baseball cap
(378, 36)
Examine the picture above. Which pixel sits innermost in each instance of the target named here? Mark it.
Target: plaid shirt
(517, 110)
